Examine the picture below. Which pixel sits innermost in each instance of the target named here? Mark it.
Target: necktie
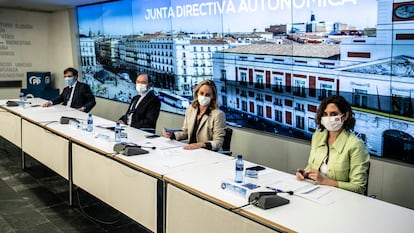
(134, 105)
(68, 96)
(132, 110)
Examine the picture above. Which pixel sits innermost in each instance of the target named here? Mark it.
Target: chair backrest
(227, 141)
(149, 130)
(366, 186)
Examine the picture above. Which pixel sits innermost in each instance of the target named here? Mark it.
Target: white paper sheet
(321, 194)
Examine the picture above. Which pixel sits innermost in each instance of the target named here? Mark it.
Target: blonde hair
(213, 103)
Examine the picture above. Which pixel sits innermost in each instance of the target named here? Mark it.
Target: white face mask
(141, 88)
(332, 123)
(203, 100)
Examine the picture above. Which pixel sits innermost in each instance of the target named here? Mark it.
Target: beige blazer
(211, 128)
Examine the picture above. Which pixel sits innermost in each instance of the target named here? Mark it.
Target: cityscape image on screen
(273, 61)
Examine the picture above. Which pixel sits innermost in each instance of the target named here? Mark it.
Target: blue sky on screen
(117, 18)
(90, 18)
(148, 16)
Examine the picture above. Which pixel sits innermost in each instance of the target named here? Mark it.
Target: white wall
(34, 52)
(389, 181)
(62, 49)
(52, 45)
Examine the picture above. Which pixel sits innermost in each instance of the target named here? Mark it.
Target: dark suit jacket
(82, 97)
(146, 113)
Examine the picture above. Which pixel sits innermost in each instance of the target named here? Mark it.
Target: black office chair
(366, 186)
(227, 141)
(149, 130)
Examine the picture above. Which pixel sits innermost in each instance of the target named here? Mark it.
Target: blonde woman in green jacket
(337, 158)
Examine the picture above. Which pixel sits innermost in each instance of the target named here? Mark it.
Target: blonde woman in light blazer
(204, 122)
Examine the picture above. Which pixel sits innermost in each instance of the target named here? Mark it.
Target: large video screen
(273, 61)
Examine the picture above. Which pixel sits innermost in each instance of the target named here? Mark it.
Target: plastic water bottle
(117, 132)
(89, 121)
(252, 178)
(238, 178)
(21, 100)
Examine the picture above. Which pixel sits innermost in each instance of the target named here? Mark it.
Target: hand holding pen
(311, 174)
(302, 174)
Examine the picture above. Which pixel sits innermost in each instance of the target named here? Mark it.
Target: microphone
(254, 198)
(148, 147)
(280, 191)
(288, 192)
(12, 103)
(267, 200)
(239, 207)
(66, 120)
(129, 149)
(122, 145)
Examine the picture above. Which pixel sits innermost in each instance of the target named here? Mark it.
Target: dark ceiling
(46, 5)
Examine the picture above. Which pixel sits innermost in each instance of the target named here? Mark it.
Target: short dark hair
(342, 105)
(146, 75)
(148, 78)
(70, 69)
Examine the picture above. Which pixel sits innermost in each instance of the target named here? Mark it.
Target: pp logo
(35, 80)
(47, 80)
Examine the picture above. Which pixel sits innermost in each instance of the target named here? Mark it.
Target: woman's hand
(316, 176)
(319, 178)
(194, 146)
(165, 133)
(301, 174)
(312, 174)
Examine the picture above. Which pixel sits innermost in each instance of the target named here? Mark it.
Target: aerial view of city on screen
(272, 61)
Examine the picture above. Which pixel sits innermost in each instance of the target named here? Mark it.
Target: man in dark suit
(144, 108)
(77, 95)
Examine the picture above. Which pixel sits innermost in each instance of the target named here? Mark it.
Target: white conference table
(83, 159)
(124, 187)
(178, 191)
(40, 133)
(169, 156)
(338, 211)
(10, 125)
(132, 184)
(89, 161)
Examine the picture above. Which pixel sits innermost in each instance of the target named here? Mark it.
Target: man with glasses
(76, 95)
(144, 108)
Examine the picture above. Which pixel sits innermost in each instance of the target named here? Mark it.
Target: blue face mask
(69, 80)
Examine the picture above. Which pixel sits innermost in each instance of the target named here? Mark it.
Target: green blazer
(348, 159)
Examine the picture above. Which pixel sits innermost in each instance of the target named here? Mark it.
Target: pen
(279, 190)
(275, 189)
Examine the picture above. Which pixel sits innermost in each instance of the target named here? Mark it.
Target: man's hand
(46, 104)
